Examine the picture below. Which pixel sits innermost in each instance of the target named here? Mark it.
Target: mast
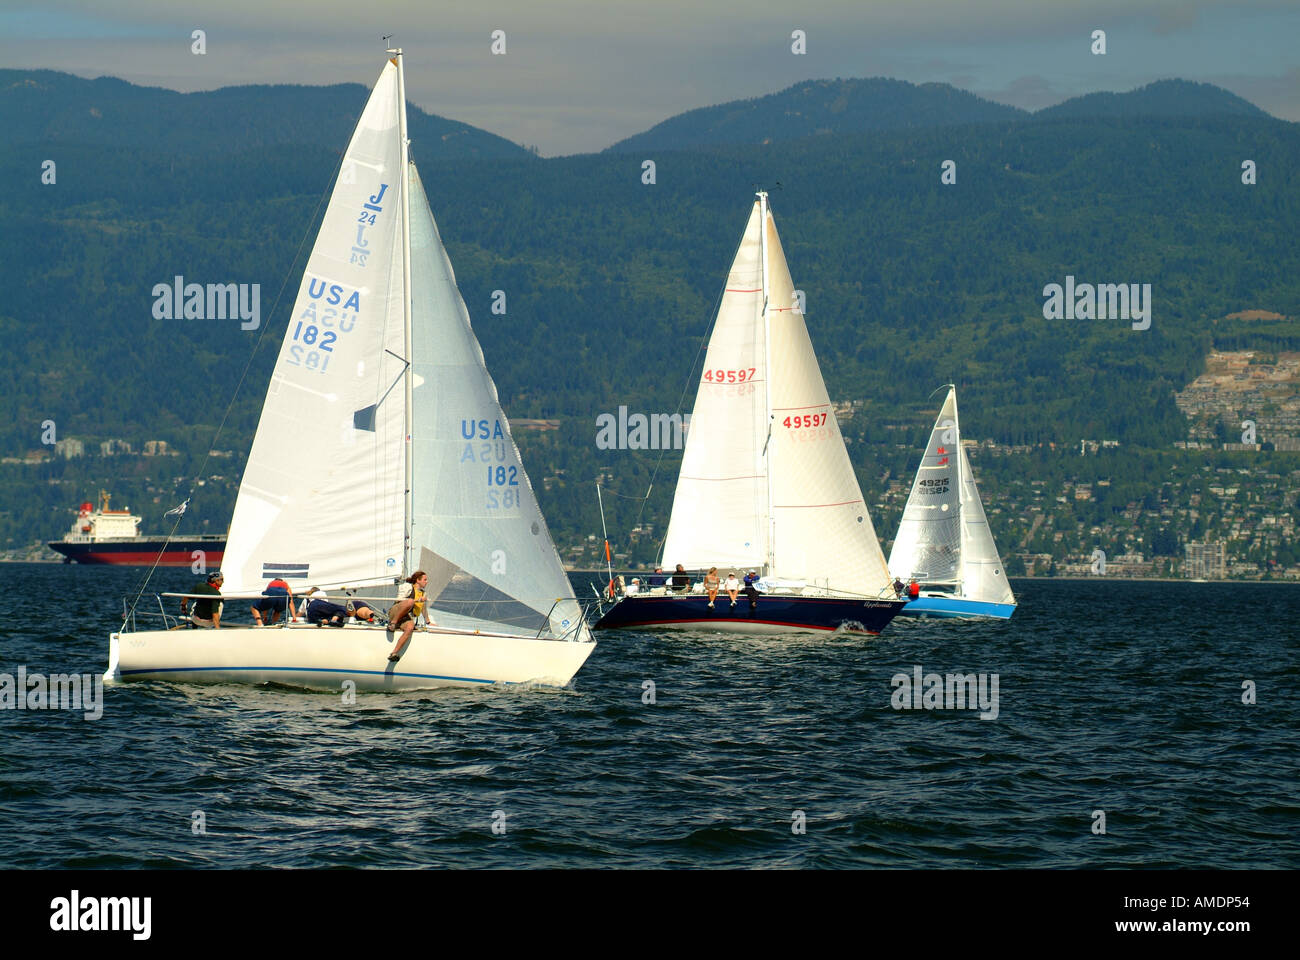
(961, 492)
(767, 384)
(408, 465)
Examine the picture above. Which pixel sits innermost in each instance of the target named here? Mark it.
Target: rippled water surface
(1120, 697)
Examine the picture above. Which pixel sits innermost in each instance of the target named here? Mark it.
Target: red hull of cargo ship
(142, 553)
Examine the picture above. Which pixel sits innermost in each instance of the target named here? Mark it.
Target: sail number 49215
(729, 376)
(809, 420)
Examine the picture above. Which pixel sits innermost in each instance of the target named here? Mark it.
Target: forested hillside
(610, 283)
(57, 109)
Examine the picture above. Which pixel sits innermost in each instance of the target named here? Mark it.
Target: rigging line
(690, 373)
(329, 186)
(623, 496)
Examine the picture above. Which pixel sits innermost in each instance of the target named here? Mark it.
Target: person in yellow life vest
(409, 606)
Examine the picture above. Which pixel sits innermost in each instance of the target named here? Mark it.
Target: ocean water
(1124, 698)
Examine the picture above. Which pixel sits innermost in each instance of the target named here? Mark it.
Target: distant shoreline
(644, 573)
(602, 573)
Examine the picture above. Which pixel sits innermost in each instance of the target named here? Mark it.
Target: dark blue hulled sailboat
(765, 483)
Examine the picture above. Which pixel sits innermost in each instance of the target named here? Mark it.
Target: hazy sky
(578, 75)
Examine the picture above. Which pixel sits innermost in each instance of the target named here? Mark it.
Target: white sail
(720, 510)
(822, 532)
(476, 527)
(321, 499)
(982, 575)
(769, 488)
(929, 542)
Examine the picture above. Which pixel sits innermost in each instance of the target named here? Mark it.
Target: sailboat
(944, 542)
(382, 450)
(765, 483)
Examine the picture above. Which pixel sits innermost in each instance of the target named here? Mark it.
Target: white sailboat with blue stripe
(382, 450)
(944, 543)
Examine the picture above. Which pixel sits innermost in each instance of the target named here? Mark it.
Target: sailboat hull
(768, 615)
(956, 607)
(325, 658)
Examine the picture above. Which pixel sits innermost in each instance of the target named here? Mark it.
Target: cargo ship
(113, 536)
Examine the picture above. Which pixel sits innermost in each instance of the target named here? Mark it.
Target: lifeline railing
(810, 588)
(377, 604)
(584, 608)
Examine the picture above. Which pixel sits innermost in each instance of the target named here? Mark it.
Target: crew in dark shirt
(681, 579)
(207, 609)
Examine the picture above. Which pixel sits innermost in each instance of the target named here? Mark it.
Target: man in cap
(207, 608)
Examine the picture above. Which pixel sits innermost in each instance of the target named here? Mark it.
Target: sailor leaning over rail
(408, 608)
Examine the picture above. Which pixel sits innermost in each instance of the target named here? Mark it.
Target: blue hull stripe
(956, 607)
(377, 673)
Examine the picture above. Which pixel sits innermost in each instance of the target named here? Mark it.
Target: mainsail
(766, 482)
(321, 499)
(720, 510)
(324, 496)
(928, 545)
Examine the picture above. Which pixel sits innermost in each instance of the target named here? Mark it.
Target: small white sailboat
(382, 449)
(944, 542)
(766, 483)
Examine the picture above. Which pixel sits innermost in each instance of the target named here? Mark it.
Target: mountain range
(49, 107)
(611, 282)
